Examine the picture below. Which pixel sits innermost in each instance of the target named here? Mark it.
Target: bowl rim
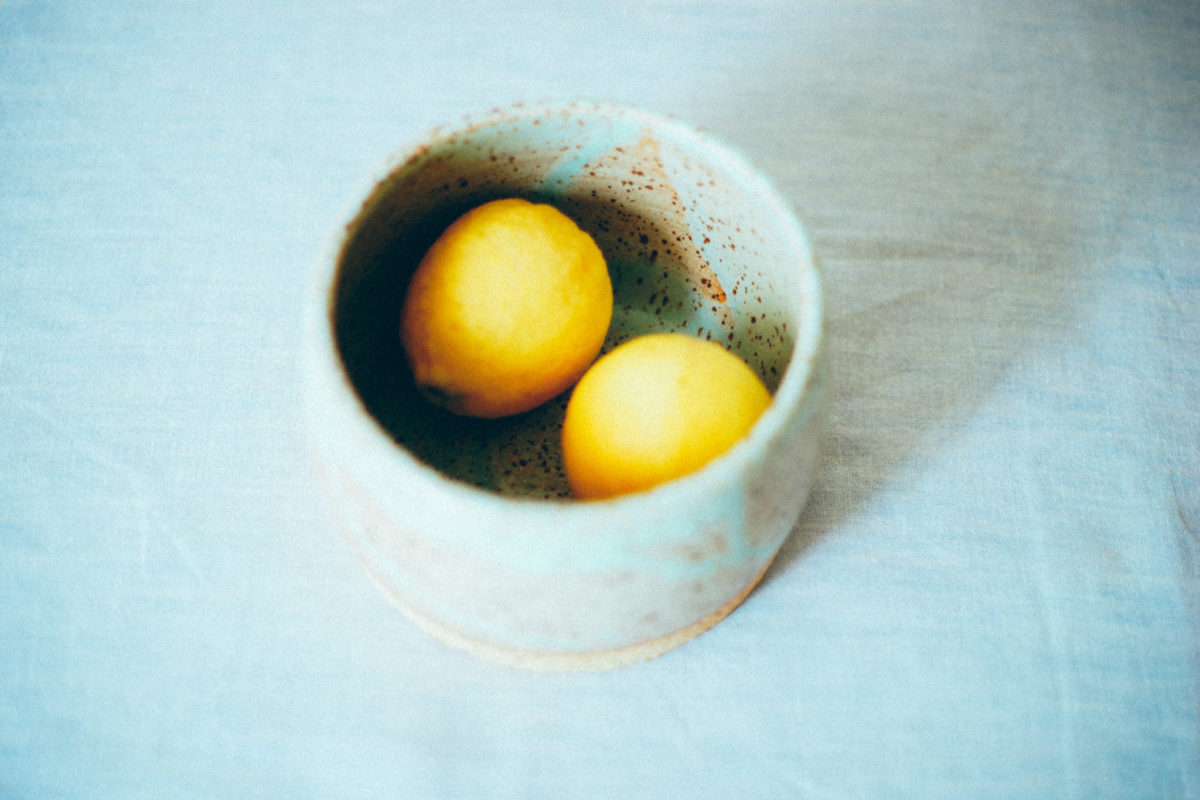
(324, 363)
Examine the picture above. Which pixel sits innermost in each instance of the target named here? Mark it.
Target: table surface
(993, 592)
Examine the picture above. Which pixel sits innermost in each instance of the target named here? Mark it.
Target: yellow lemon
(506, 310)
(656, 408)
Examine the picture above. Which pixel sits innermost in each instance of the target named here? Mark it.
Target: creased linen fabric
(994, 590)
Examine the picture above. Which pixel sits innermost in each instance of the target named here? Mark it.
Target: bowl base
(588, 661)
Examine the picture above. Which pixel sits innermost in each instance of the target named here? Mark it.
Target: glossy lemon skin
(506, 310)
(656, 408)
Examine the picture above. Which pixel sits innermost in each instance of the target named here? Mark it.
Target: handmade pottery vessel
(467, 526)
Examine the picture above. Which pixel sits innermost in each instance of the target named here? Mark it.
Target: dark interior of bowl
(672, 270)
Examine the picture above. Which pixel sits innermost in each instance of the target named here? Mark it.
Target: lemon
(655, 408)
(506, 310)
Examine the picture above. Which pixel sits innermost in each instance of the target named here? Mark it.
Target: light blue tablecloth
(995, 591)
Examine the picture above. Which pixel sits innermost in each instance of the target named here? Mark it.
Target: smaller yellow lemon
(506, 310)
(655, 408)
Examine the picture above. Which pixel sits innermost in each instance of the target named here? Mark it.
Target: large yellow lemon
(506, 310)
(655, 408)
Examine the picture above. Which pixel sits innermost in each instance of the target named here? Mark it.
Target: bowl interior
(688, 246)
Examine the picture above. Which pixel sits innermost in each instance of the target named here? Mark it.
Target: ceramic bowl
(467, 526)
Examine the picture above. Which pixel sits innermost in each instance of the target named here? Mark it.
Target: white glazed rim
(323, 361)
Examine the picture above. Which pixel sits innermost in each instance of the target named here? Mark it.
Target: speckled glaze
(467, 526)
